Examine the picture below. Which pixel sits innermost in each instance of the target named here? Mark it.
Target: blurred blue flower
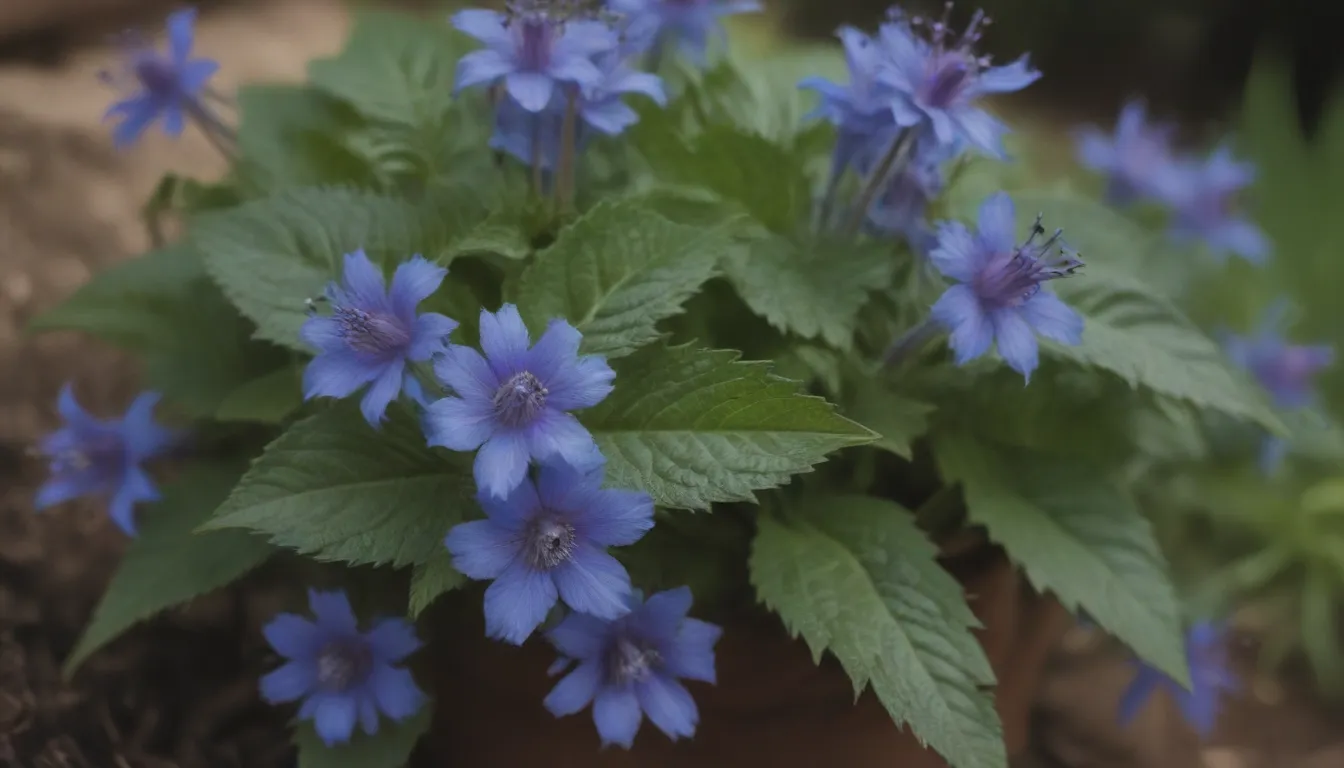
(654, 25)
(1203, 197)
(533, 47)
(861, 110)
(1137, 160)
(372, 333)
(630, 667)
(90, 456)
(548, 540)
(900, 207)
(1210, 677)
(936, 80)
(514, 402)
(1000, 296)
(167, 85)
(342, 674)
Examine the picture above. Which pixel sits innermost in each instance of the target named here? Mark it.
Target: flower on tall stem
(1000, 293)
(687, 25)
(1203, 196)
(1210, 678)
(373, 333)
(546, 541)
(901, 205)
(169, 85)
(632, 667)
(1137, 159)
(342, 674)
(104, 457)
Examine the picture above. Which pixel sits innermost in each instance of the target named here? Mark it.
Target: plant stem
(536, 157)
(907, 344)
(564, 186)
(220, 135)
(899, 150)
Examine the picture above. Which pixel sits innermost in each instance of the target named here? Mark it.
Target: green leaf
(1076, 534)
(855, 576)
(391, 747)
(431, 579)
(271, 255)
(267, 399)
(333, 488)
(815, 293)
(496, 236)
(899, 420)
(167, 563)
(294, 136)
(695, 426)
(615, 273)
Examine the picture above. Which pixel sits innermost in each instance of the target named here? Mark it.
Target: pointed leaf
(391, 747)
(431, 579)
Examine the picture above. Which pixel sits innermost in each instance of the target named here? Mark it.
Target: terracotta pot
(772, 705)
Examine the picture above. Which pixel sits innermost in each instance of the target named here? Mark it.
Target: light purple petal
(195, 74)
(136, 487)
(556, 436)
(1017, 343)
(575, 691)
(959, 311)
(505, 341)
(413, 282)
(144, 438)
(958, 255)
(556, 350)
(467, 373)
(669, 706)
(457, 424)
(634, 81)
(384, 390)
(517, 602)
(691, 653)
(323, 333)
(334, 719)
(481, 549)
(662, 613)
(573, 69)
(617, 715)
(59, 490)
(593, 582)
(430, 336)
(532, 90)
(514, 511)
(581, 384)
(174, 122)
(338, 374)
(1138, 693)
(486, 26)
(333, 611)
(139, 113)
(396, 692)
(368, 713)
(614, 517)
(998, 223)
(363, 281)
(480, 67)
(1053, 319)
(293, 636)
(71, 411)
(501, 463)
(1010, 77)
(610, 117)
(982, 131)
(580, 636)
(290, 682)
(180, 34)
(392, 640)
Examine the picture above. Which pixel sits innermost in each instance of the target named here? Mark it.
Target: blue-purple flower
(514, 402)
(1137, 160)
(1203, 196)
(937, 79)
(1210, 678)
(343, 675)
(900, 207)
(655, 25)
(1000, 296)
(373, 332)
(533, 48)
(631, 667)
(167, 84)
(548, 540)
(103, 457)
(860, 110)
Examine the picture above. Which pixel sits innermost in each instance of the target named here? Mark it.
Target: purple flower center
(947, 82)
(104, 454)
(156, 74)
(1009, 279)
(535, 37)
(631, 661)
(341, 664)
(548, 542)
(371, 333)
(1287, 373)
(520, 400)
(953, 63)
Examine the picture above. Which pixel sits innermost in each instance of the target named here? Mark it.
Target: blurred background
(69, 205)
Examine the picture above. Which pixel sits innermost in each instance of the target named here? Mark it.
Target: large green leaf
(815, 292)
(1075, 533)
(616, 272)
(695, 426)
(391, 747)
(294, 136)
(431, 579)
(333, 488)
(855, 576)
(899, 419)
(168, 563)
(267, 399)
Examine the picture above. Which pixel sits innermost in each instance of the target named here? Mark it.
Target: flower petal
(59, 490)
(396, 692)
(368, 713)
(1053, 319)
(457, 424)
(513, 511)
(593, 582)
(501, 463)
(467, 373)
(517, 602)
(982, 131)
(414, 281)
(293, 636)
(505, 341)
(481, 549)
(363, 281)
(582, 383)
(691, 653)
(579, 636)
(556, 436)
(338, 374)
(139, 113)
(532, 90)
(384, 390)
(392, 640)
(290, 682)
(998, 223)
(484, 66)
(486, 26)
(617, 715)
(614, 517)
(1017, 343)
(575, 691)
(334, 719)
(959, 311)
(556, 350)
(333, 611)
(1138, 693)
(662, 613)
(958, 255)
(136, 487)
(669, 706)
(430, 335)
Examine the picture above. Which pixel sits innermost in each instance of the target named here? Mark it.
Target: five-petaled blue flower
(1203, 196)
(342, 674)
(168, 85)
(630, 667)
(861, 110)
(1210, 677)
(533, 48)
(1000, 295)
(372, 333)
(937, 80)
(95, 456)
(549, 539)
(653, 25)
(1137, 160)
(513, 403)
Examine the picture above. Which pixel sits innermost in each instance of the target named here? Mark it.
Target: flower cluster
(1140, 164)
(1210, 679)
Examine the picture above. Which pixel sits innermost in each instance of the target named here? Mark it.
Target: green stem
(564, 182)
(909, 343)
(899, 150)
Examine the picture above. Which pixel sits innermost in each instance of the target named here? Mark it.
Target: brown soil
(181, 690)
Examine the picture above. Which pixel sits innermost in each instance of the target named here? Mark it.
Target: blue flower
(860, 111)
(372, 333)
(1137, 160)
(342, 674)
(936, 80)
(532, 49)
(548, 540)
(513, 403)
(1000, 296)
(169, 85)
(653, 25)
(900, 207)
(630, 667)
(1203, 196)
(1209, 679)
(90, 456)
